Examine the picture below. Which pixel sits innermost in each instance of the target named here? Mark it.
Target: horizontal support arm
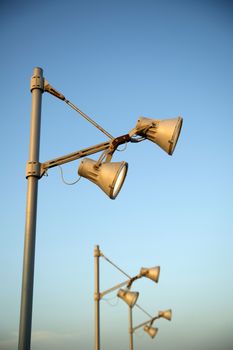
(109, 145)
(113, 288)
(127, 282)
(146, 322)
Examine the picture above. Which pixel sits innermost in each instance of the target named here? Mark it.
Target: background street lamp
(108, 176)
(152, 331)
(153, 274)
(128, 296)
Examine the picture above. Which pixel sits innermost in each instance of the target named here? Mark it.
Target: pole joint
(97, 296)
(37, 82)
(97, 252)
(33, 169)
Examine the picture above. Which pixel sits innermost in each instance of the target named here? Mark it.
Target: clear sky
(118, 60)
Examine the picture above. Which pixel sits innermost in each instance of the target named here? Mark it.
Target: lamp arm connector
(150, 322)
(72, 156)
(108, 147)
(128, 284)
(107, 291)
(49, 88)
(132, 280)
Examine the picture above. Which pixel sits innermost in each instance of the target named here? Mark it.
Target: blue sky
(118, 60)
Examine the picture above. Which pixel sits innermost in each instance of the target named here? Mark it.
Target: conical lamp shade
(164, 133)
(167, 314)
(152, 273)
(108, 176)
(129, 297)
(151, 331)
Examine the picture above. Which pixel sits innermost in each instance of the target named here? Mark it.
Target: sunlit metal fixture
(108, 176)
(167, 314)
(151, 273)
(129, 297)
(152, 331)
(164, 133)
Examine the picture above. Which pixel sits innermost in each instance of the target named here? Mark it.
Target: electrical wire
(122, 150)
(111, 304)
(65, 182)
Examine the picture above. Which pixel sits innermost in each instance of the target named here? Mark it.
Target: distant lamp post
(108, 176)
(153, 274)
(128, 296)
(147, 325)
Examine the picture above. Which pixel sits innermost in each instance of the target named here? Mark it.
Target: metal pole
(130, 328)
(97, 298)
(31, 209)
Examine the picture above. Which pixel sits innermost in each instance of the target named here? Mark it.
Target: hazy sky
(118, 60)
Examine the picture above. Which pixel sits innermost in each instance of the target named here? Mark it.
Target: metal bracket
(97, 296)
(97, 252)
(131, 330)
(33, 169)
(49, 88)
(37, 82)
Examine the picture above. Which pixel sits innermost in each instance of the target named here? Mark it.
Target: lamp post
(129, 297)
(105, 174)
(37, 87)
(147, 324)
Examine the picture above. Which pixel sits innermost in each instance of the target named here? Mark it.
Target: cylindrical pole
(97, 298)
(130, 328)
(31, 209)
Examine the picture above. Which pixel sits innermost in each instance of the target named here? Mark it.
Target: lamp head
(164, 133)
(129, 297)
(151, 331)
(108, 176)
(152, 273)
(167, 314)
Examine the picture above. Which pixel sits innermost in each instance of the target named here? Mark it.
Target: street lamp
(167, 314)
(128, 296)
(108, 176)
(147, 325)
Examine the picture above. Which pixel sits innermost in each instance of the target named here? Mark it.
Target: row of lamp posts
(107, 175)
(129, 297)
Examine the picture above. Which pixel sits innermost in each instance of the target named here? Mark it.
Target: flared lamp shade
(152, 273)
(129, 297)
(164, 133)
(151, 331)
(167, 314)
(108, 176)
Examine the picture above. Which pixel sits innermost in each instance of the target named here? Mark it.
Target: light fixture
(164, 133)
(152, 331)
(129, 297)
(108, 176)
(151, 273)
(167, 314)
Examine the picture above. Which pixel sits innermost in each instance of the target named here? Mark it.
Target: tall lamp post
(109, 176)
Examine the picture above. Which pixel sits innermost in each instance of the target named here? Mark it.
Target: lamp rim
(123, 165)
(175, 135)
